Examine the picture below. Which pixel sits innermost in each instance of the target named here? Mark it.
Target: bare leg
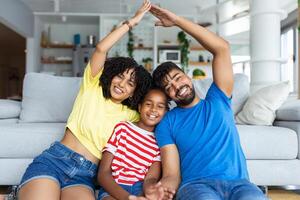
(77, 193)
(38, 189)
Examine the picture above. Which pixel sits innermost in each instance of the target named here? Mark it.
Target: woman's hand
(140, 13)
(166, 17)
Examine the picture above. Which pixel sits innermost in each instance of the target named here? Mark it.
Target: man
(199, 142)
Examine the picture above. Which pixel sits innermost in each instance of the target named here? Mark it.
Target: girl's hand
(140, 13)
(154, 192)
(166, 17)
(132, 197)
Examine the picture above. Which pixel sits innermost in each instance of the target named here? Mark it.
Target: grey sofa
(30, 126)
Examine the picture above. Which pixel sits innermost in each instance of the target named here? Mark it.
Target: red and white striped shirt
(134, 151)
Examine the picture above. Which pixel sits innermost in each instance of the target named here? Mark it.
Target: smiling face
(152, 109)
(122, 86)
(178, 86)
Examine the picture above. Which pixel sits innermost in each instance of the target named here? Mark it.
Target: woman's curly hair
(118, 65)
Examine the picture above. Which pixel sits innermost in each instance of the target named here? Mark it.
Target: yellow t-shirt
(93, 117)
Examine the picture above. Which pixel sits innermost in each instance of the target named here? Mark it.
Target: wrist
(132, 22)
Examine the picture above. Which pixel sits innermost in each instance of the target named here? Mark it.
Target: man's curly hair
(118, 65)
(161, 71)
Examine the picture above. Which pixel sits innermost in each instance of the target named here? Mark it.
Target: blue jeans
(220, 190)
(64, 166)
(135, 189)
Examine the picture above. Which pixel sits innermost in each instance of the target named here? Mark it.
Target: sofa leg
(264, 189)
(13, 193)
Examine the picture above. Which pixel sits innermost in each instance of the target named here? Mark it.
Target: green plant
(146, 60)
(130, 44)
(184, 45)
(198, 72)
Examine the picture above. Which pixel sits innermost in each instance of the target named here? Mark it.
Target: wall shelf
(197, 48)
(58, 46)
(142, 48)
(196, 63)
(56, 62)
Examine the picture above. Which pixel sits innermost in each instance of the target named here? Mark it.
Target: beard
(187, 99)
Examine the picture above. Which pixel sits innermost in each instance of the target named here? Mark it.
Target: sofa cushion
(26, 140)
(260, 107)
(268, 142)
(9, 109)
(289, 111)
(48, 98)
(240, 91)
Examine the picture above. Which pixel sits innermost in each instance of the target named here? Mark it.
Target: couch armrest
(289, 111)
(9, 109)
(294, 125)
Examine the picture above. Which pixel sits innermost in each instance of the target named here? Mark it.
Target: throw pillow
(48, 98)
(260, 107)
(240, 91)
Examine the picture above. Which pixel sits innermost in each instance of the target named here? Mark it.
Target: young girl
(130, 165)
(107, 95)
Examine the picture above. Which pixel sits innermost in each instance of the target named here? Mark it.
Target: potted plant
(148, 63)
(130, 44)
(184, 45)
(198, 74)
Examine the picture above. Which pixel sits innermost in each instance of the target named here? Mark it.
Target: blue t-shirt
(206, 138)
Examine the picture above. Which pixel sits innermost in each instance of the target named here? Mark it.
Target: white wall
(17, 16)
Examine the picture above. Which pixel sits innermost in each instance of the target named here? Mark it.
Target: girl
(107, 95)
(130, 166)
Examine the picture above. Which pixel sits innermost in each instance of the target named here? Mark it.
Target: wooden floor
(273, 194)
(283, 195)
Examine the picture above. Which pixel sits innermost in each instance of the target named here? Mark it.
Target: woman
(107, 95)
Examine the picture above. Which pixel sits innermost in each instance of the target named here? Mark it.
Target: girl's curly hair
(118, 65)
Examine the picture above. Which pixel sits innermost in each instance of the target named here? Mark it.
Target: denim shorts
(63, 165)
(135, 189)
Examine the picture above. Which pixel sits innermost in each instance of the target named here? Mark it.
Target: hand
(168, 193)
(140, 13)
(166, 17)
(132, 197)
(154, 192)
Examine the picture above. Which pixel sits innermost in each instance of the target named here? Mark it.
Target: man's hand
(166, 17)
(168, 194)
(154, 192)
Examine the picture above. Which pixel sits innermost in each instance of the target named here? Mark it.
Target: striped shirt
(134, 151)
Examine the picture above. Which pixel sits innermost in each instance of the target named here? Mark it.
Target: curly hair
(161, 71)
(118, 65)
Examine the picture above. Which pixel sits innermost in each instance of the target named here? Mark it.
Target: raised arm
(170, 170)
(221, 64)
(99, 55)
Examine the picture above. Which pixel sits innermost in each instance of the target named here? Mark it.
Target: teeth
(182, 91)
(152, 116)
(118, 90)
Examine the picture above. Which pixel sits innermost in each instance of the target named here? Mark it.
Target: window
(288, 51)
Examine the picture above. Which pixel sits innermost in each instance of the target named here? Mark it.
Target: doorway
(12, 63)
